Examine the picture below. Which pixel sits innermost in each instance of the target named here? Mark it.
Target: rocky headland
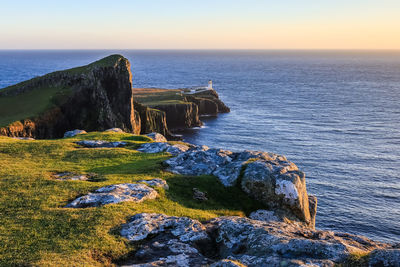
(94, 98)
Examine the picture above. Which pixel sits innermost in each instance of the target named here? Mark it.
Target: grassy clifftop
(35, 229)
(31, 98)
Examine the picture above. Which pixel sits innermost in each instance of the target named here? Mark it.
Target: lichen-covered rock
(158, 147)
(198, 162)
(257, 243)
(24, 138)
(72, 176)
(140, 226)
(278, 184)
(264, 215)
(100, 144)
(74, 133)
(168, 252)
(155, 183)
(157, 137)
(385, 258)
(114, 194)
(115, 130)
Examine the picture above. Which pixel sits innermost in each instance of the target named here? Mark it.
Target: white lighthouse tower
(209, 87)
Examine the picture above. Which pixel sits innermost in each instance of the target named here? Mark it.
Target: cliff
(93, 97)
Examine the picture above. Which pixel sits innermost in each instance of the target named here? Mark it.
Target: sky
(200, 24)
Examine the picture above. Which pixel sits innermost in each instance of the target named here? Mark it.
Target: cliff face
(99, 96)
(213, 96)
(184, 115)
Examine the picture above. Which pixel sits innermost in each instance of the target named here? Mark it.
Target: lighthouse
(209, 87)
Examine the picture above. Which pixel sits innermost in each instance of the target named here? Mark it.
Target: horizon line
(205, 49)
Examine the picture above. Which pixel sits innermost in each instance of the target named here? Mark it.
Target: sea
(335, 114)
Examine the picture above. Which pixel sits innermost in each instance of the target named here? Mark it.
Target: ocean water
(336, 114)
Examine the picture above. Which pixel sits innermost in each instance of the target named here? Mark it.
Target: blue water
(335, 114)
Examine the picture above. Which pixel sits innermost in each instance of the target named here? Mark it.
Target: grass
(36, 230)
(30, 104)
(152, 97)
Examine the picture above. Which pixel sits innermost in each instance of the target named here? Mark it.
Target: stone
(74, 133)
(116, 130)
(264, 215)
(141, 225)
(100, 144)
(155, 183)
(24, 138)
(385, 258)
(198, 162)
(278, 184)
(258, 243)
(198, 195)
(158, 147)
(114, 194)
(71, 176)
(157, 137)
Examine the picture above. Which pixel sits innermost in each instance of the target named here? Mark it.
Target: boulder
(156, 137)
(385, 258)
(141, 225)
(155, 183)
(198, 195)
(72, 176)
(227, 263)
(74, 133)
(115, 130)
(278, 184)
(114, 194)
(24, 138)
(100, 144)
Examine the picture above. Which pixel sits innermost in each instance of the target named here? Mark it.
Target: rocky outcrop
(99, 97)
(156, 137)
(238, 241)
(152, 120)
(385, 258)
(114, 194)
(182, 115)
(74, 133)
(266, 177)
(213, 96)
(158, 147)
(205, 106)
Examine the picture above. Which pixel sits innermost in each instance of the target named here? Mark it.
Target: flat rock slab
(24, 138)
(100, 144)
(157, 182)
(157, 137)
(74, 133)
(72, 176)
(114, 194)
(158, 147)
(115, 130)
(141, 225)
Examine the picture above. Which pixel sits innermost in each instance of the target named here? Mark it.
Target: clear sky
(200, 24)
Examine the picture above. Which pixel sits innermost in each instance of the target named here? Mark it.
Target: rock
(198, 162)
(116, 130)
(24, 138)
(71, 176)
(140, 226)
(157, 137)
(182, 115)
(115, 194)
(278, 184)
(206, 106)
(264, 215)
(168, 252)
(100, 144)
(74, 133)
(385, 258)
(198, 195)
(159, 147)
(229, 173)
(257, 243)
(155, 183)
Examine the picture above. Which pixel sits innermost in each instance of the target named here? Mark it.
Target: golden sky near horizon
(176, 24)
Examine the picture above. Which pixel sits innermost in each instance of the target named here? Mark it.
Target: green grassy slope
(36, 230)
(153, 97)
